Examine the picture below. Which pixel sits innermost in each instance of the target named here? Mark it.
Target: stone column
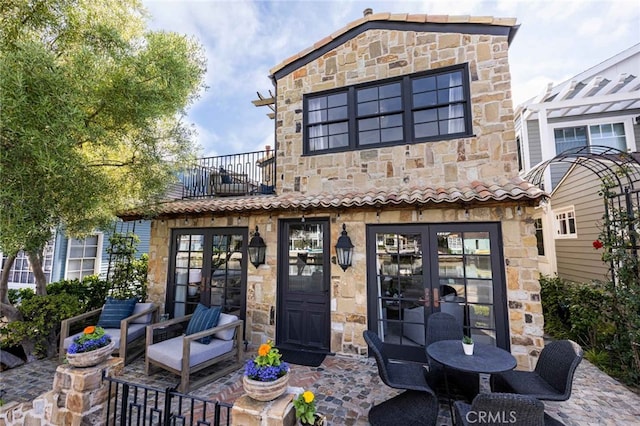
(247, 411)
(82, 395)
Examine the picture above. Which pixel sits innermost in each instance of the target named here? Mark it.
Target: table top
(485, 359)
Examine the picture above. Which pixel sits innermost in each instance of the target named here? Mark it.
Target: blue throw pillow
(203, 318)
(115, 310)
(226, 178)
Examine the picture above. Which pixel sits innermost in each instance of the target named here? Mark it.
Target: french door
(208, 266)
(416, 270)
(303, 285)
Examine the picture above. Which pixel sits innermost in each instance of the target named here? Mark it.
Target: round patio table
(485, 359)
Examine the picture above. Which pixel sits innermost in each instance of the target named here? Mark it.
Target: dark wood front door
(303, 285)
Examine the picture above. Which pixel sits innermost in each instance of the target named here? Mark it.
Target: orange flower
(89, 330)
(264, 349)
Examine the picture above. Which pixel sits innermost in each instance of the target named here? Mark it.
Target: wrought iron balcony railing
(250, 173)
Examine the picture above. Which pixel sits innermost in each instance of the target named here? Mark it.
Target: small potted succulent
(467, 345)
(305, 407)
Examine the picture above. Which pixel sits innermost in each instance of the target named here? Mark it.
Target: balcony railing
(250, 173)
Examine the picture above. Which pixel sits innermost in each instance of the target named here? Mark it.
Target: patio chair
(123, 320)
(502, 409)
(418, 405)
(552, 378)
(444, 326)
(204, 344)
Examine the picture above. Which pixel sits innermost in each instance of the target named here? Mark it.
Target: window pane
(423, 84)
(75, 264)
(451, 111)
(367, 94)
(426, 130)
(368, 108)
(390, 90)
(91, 252)
(88, 265)
(369, 123)
(76, 252)
(392, 104)
(317, 116)
(449, 79)
(369, 137)
(425, 115)
(339, 113)
(91, 241)
(424, 99)
(394, 120)
(338, 141)
(392, 134)
(339, 99)
(317, 103)
(336, 128)
(450, 95)
(568, 138)
(318, 143)
(452, 126)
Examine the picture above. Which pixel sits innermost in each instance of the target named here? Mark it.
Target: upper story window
(414, 108)
(610, 134)
(83, 257)
(539, 236)
(566, 223)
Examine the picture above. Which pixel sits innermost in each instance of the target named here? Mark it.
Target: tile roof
(474, 192)
(399, 17)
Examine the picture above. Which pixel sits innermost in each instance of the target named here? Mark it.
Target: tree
(91, 117)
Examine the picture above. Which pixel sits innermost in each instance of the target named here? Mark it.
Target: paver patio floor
(346, 388)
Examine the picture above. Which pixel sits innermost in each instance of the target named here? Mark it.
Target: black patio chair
(502, 409)
(552, 378)
(418, 405)
(444, 326)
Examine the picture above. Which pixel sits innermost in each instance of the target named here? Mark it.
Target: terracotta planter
(91, 358)
(265, 391)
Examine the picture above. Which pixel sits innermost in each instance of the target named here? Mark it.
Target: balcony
(250, 173)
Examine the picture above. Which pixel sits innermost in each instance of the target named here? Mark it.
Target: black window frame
(407, 111)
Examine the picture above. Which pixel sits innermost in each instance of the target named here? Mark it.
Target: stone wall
(378, 54)
(79, 398)
(349, 288)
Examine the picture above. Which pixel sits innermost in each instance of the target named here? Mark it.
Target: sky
(243, 40)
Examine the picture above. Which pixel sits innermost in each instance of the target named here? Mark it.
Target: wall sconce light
(344, 249)
(257, 249)
(466, 214)
(519, 210)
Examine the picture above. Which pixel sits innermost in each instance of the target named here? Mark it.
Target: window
(537, 223)
(415, 108)
(566, 224)
(608, 134)
(83, 257)
(21, 273)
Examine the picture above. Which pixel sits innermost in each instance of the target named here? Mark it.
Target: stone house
(397, 129)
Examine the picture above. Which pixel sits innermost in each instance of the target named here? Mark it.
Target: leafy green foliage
(92, 108)
(40, 326)
(128, 275)
(90, 293)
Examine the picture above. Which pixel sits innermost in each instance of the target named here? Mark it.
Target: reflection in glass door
(415, 270)
(207, 266)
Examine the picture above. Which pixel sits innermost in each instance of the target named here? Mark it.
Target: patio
(346, 388)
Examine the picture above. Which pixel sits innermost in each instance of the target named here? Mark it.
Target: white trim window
(83, 257)
(610, 134)
(565, 221)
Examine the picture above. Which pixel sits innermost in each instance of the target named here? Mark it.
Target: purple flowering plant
(267, 365)
(92, 338)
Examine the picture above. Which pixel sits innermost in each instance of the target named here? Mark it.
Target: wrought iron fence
(250, 173)
(139, 405)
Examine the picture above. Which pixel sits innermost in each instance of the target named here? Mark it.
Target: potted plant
(90, 348)
(305, 407)
(266, 376)
(467, 345)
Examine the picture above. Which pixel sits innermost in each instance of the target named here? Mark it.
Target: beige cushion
(226, 334)
(169, 352)
(145, 319)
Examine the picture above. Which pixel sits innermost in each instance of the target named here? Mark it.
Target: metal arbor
(619, 174)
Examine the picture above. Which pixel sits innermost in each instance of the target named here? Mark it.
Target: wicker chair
(502, 409)
(418, 405)
(552, 378)
(443, 326)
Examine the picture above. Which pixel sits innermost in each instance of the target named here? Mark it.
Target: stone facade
(378, 54)
(487, 155)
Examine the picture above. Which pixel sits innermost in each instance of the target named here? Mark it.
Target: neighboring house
(600, 106)
(70, 258)
(399, 128)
